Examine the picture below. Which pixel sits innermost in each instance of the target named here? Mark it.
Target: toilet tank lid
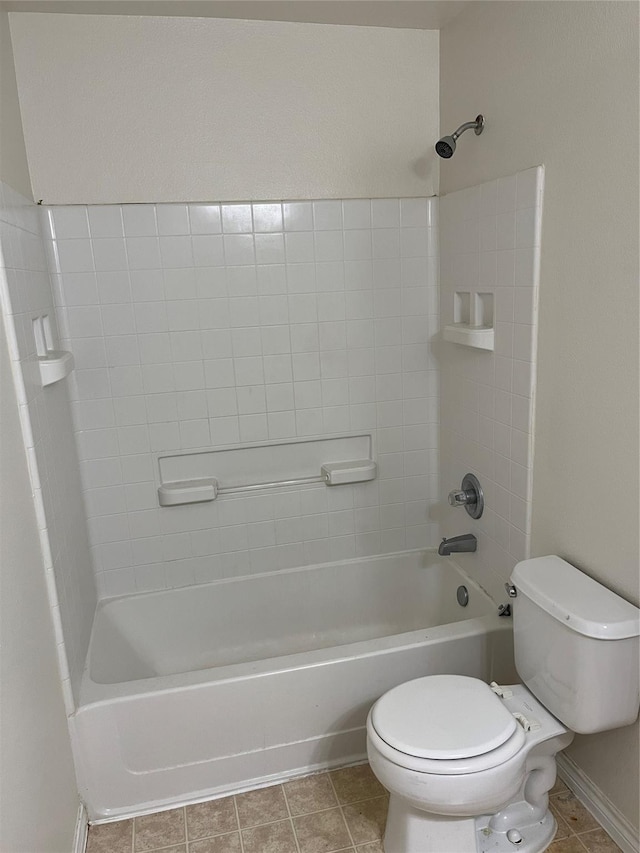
(574, 598)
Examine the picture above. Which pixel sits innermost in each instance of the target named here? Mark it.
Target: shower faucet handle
(469, 495)
(461, 497)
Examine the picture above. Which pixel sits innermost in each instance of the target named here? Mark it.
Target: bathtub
(192, 693)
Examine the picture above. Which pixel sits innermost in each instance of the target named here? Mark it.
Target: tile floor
(344, 810)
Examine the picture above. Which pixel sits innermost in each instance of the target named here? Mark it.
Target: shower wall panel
(45, 413)
(205, 326)
(490, 245)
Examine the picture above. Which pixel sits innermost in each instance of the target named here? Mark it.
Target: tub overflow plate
(462, 594)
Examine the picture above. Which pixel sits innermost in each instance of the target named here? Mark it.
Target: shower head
(447, 145)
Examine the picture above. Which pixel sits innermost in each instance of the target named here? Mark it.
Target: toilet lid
(443, 717)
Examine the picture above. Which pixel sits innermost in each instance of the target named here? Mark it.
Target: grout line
(333, 787)
(293, 826)
(235, 806)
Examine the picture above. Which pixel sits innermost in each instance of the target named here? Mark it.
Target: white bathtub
(195, 692)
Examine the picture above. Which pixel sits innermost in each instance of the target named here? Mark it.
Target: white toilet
(469, 765)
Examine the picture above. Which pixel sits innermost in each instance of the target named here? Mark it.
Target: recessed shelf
(206, 475)
(478, 337)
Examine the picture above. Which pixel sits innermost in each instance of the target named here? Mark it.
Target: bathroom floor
(344, 810)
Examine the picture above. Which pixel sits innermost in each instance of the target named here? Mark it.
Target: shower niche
(473, 320)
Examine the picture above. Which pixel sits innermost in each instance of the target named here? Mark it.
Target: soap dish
(478, 337)
(55, 366)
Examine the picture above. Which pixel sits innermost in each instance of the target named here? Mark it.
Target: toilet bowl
(469, 765)
(456, 758)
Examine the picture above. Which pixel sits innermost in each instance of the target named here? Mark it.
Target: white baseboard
(608, 816)
(82, 831)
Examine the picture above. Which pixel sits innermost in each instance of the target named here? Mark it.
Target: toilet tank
(576, 645)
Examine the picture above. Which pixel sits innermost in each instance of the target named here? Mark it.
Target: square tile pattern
(202, 326)
(490, 245)
(344, 810)
(47, 429)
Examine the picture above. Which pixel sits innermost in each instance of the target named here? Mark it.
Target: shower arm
(468, 125)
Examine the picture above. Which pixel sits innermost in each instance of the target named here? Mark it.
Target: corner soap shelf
(480, 337)
(53, 364)
(473, 320)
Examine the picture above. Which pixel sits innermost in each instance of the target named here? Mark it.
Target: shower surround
(202, 326)
(490, 238)
(47, 430)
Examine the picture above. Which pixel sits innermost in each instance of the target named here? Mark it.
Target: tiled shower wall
(206, 326)
(45, 416)
(490, 243)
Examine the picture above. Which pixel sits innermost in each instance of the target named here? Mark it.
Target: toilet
(469, 765)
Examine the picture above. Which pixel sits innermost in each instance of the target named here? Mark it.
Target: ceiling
(411, 14)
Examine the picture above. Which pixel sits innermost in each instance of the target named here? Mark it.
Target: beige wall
(38, 799)
(431, 15)
(194, 109)
(13, 158)
(558, 83)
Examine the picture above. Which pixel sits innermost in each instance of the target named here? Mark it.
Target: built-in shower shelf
(478, 337)
(55, 366)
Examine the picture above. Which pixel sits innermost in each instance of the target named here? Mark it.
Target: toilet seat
(444, 724)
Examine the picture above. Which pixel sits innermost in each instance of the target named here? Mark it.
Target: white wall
(190, 109)
(558, 83)
(39, 803)
(13, 158)
(197, 327)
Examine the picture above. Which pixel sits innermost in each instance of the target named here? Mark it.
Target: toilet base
(536, 837)
(410, 830)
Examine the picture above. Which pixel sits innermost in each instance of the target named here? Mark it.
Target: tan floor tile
(262, 806)
(111, 837)
(212, 818)
(367, 820)
(563, 830)
(272, 838)
(159, 830)
(310, 794)
(320, 826)
(567, 845)
(598, 841)
(356, 783)
(220, 844)
(322, 832)
(559, 787)
(574, 813)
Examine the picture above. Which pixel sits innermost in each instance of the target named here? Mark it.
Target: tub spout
(458, 545)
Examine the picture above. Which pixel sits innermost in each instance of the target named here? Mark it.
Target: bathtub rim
(408, 552)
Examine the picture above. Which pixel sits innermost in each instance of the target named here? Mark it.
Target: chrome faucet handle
(469, 496)
(461, 497)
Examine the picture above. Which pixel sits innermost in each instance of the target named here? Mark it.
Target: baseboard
(608, 816)
(82, 831)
